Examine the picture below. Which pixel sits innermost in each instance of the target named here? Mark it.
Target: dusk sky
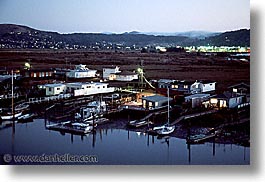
(67, 16)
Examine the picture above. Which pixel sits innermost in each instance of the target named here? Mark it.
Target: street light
(27, 66)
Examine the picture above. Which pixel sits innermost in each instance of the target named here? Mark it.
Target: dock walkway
(194, 115)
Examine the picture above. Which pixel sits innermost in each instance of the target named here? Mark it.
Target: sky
(118, 16)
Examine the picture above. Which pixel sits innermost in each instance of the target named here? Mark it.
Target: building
(202, 87)
(81, 71)
(165, 83)
(37, 73)
(107, 71)
(124, 76)
(196, 100)
(240, 89)
(155, 102)
(55, 89)
(88, 88)
(226, 100)
(182, 86)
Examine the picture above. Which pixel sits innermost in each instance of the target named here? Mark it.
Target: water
(117, 146)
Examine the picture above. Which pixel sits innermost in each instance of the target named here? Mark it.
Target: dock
(200, 139)
(145, 120)
(190, 116)
(62, 127)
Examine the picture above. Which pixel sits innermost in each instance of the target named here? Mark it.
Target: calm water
(117, 146)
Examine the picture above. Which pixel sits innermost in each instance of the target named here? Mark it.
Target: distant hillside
(233, 38)
(17, 36)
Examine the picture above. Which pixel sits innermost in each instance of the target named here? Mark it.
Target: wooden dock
(145, 121)
(194, 115)
(200, 140)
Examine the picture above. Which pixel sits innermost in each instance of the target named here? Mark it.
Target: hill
(17, 36)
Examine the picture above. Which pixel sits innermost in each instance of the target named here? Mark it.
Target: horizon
(118, 16)
(132, 31)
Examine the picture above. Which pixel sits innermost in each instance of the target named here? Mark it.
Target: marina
(119, 146)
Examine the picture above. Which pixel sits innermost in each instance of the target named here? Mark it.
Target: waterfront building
(124, 76)
(81, 71)
(109, 72)
(88, 88)
(196, 100)
(202, 87)
(55, 89)
(155, 102)
(227, 100)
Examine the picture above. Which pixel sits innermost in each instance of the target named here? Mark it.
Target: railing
(47, 99)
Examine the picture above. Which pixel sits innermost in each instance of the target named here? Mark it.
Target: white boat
(10, 116)
(13, 115)
(165, 129)
(76, 127)
(93, 110)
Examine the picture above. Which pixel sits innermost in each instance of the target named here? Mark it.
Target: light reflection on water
(118, 146)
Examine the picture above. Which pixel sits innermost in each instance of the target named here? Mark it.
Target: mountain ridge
(21, 36)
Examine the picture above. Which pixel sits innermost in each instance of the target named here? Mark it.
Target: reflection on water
(117, 146)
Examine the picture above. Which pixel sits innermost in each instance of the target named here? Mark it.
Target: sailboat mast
(12, 92)
(168, 106)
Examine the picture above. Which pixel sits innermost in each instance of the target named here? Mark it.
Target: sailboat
(166, 128)
(13, 115)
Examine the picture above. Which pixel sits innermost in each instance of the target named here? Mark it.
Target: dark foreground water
(112, 146)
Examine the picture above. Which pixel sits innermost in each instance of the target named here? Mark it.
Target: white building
(55, 89)
(124, 76)
(202, 87)
(196, 100)
(81, 71)
(88, 88)
(107, 71)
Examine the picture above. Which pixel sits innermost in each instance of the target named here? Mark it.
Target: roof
(4, 77)
(166, 81)
(87, 83)
(183, 82)
(126, 73)
(197, 96)
(54, 85)
(204, 81)
(239, 84)
(110, 67)
(226, 95)
(156, 98)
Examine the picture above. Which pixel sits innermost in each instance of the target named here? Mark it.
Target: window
(175, 86)
(98, 87)
(150, 104)
(144, 103)
(156, 104)
(186, 86)
(34, 75)
(50, 89)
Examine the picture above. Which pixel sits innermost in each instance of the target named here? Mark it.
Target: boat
(71, 127)
(14, 114)
(165, 129)
(10, 116)
(94, 109)
(26, 117)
